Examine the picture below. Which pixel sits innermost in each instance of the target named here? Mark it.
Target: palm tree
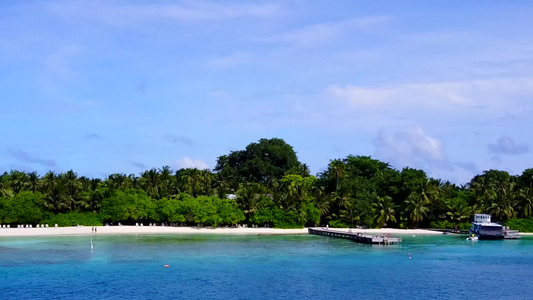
(384, 209)
(95, 200)
(116, 181)
(151, 183)
(305, 170)
(54, 200)
(49, 182)
(53, 193)
(19, 181)
(350, 214)
(525, 197)
(73, 191)
(221, 187)
(6, 193)
(483, 191)
(133, 182)
(282, 199)
(459, 210)
(297, 193)
(5, 189)
(250, 197)
(85, 184)
(206, 181)
(165, 177)
(33, 181)
(321, 200)
(338, 168)
(503, 200)
(194, 182)
(95, 183)
(417, 207)
(428, 191)
(502, 211)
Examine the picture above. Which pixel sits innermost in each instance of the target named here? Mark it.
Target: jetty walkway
(357, 237)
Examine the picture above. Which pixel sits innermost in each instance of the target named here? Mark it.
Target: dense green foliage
(72, 219)
(263, 162)
(524, 225)
(450, 225)
(266, 185)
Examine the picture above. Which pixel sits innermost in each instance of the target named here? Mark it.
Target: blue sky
(121, 86)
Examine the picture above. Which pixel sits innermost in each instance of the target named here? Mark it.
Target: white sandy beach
(110, 230)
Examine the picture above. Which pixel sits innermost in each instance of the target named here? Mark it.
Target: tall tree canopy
(261, 162)
(270, 187)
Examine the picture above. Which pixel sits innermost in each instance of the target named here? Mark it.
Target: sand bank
(109, 230)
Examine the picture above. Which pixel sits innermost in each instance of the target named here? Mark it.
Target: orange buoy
(166, 266)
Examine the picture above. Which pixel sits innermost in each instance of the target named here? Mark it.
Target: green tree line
(266, 185)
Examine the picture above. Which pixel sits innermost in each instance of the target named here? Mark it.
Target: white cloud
(131, 14)
(234, 59)
(139, 165)
(463, 173)
(93, 136)
(178, 139)
(187, 162)
(27, 158)
(318, 34)
(494, 94)
(506, 145)
(410, 147)
(219, 94)
(413, 147)
(58, 63)
(362, 97)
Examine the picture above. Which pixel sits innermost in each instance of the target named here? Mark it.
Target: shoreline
(118, 230)
(141, 230)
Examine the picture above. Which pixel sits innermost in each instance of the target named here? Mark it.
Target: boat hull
(490, 237)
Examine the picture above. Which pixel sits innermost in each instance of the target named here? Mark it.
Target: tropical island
(265, 185)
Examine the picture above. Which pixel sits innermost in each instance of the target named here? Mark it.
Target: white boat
(485, 229)
(511, 234)
(472, 238)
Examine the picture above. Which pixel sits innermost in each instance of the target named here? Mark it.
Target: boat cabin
(482, 218)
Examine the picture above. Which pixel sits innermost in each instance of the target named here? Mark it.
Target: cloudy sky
(122, 86)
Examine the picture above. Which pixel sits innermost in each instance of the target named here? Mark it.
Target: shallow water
(263, 267)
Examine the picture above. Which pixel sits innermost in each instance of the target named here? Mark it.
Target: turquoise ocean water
(263, 267)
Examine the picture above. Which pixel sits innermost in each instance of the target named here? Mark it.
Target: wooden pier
(356, 237)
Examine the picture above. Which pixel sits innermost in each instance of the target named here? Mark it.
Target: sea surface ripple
(263, 267)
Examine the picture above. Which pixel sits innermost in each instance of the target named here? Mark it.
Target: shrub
(338, 224)
(523, 225)
(73, 219)
(25, 208)
(449, 225)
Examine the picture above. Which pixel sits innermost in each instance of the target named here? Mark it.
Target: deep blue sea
(263, 267)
